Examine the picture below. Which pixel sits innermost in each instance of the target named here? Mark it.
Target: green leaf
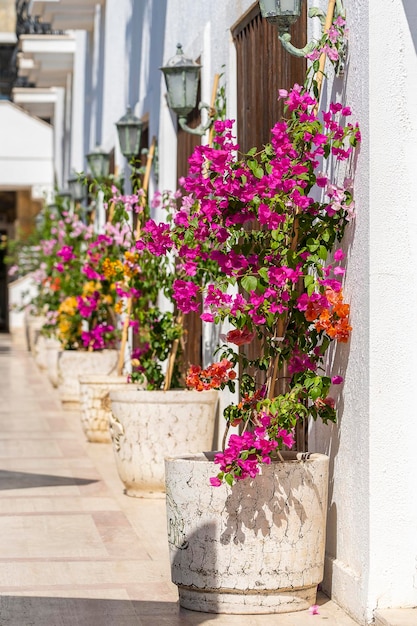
(314, 393)
(312, 244)
(229, 479)
(308, 280)
(263, 273)
(249, 283)
(323, 253)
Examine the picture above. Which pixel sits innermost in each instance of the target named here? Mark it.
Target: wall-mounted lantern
(181, 77)
(284, 13)
(99, 163)
(129, 130)
(76, 187)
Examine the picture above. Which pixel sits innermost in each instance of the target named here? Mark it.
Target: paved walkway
(74, 550)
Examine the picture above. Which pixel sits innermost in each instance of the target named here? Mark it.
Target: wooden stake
(212, 104)
(172, 357)
(143, 199)
(151, 154)
(123, 341)
(320, 71)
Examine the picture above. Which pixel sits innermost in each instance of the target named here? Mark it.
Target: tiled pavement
(74, 550)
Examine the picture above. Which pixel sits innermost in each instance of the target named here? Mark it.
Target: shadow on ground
(38, 611)
(25, 480)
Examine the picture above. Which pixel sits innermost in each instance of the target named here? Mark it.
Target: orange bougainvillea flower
(333, 320)
(55, 284)
(313, 311)
(240, 336)
(215, 376)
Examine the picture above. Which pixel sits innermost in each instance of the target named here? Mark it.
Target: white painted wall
(26, 150)
(372, 538)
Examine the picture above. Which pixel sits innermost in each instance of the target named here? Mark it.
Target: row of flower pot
(256, 547)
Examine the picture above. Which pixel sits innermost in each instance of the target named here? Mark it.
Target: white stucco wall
(372, 539)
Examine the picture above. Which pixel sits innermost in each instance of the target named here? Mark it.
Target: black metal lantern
(282, 13)
(181, 78)
(76, 187)
(129, 130)
(99, 163)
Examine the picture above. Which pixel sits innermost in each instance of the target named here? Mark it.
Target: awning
(46, 60)
(26, 150)
(66, 14)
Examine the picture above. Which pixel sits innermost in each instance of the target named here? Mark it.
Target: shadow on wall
(153, 14)
(410, 9)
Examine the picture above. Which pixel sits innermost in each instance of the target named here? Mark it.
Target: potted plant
(78, 311)
(156, 399)
(272, 220)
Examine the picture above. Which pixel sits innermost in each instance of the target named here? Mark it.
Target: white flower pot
(95, 404)
(53, 348)
(39, 352)
(256, 547)
(147, 425)
(34, 324)
(74, 363)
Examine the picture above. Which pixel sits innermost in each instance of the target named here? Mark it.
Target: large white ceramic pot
(34, 324)
(39, 352)
(53, 348)
(74, 363)
(95, 404)
(147, 425)
(256, 547)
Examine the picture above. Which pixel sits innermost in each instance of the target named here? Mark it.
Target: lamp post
(284, 13)
(181, 78)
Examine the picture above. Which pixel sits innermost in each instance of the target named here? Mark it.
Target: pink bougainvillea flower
(337, 380)
(314, 610)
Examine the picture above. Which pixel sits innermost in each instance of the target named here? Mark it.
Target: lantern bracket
(283, 26)
(201, 129)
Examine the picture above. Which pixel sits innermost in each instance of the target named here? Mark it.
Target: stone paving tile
(74, 550)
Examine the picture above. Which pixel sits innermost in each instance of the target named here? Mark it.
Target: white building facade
(117, 48)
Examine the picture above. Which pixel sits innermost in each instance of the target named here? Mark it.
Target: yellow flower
(111, 268)
(90, 287)
(107, 299)
(118, 307)
(131, 257)
(68, 306)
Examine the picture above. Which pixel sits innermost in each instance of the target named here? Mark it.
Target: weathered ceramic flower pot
(34, 324)
(95, 404)
(147, 425)
(74, 363)
(256, 547)
(39, 352)
(53, 348)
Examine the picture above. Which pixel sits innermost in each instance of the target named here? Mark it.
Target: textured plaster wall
(372, 539)
(393, 299)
